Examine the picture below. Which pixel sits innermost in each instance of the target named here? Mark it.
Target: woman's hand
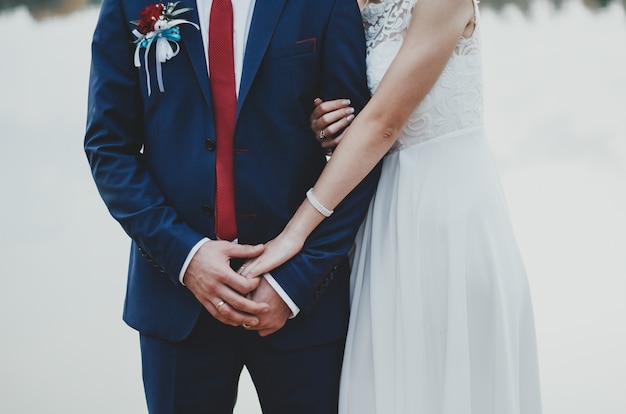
(328, 118)
(277, 252)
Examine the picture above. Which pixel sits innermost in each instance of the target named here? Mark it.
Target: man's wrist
(192, 252)
(295, 310)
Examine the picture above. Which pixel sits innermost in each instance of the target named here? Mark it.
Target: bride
(441, 321)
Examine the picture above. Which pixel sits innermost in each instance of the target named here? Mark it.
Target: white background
(555, 101)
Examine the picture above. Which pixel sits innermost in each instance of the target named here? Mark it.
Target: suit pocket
(299, 48)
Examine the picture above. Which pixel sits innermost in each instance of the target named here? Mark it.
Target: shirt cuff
(295, 310)
(193, 251)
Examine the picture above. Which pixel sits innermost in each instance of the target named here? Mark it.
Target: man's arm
(114, 144)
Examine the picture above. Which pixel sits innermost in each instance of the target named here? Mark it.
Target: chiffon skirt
(442, 321)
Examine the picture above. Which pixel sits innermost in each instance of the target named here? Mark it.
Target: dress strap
(475, 10)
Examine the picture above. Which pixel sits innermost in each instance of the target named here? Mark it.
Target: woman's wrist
(302, 224)
(295, 233)
(326, 212)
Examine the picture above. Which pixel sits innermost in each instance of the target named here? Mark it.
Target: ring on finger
(219, 305)
(322, 135)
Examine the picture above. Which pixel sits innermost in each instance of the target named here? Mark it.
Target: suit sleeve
(343, 63)
(113, 144)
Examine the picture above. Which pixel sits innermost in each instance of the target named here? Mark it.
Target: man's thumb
(247, 250)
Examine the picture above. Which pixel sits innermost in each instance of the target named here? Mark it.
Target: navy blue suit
(153, 160)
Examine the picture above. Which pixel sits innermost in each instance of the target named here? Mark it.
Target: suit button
(208, 210)
(209, 144)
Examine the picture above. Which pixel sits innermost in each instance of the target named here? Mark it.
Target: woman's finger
(322, 107)
(331, 144)
(340, 124)
(277, 252)
(254, 267)
(328, 119)
(335, 122)
(246, 269)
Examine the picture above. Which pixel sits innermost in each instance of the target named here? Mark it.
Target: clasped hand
(230, 297)
(245, 298)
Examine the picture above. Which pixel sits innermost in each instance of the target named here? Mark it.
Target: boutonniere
(158, 25)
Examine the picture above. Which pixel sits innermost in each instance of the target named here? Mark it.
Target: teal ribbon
(172, 34)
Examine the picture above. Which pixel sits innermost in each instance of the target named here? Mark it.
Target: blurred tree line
(525, 5)
(41, 9)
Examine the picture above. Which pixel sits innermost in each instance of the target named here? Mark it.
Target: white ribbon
(164, 38)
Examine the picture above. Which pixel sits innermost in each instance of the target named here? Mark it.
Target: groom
(188, 162)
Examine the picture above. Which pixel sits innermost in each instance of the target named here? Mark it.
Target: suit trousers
(201, 373)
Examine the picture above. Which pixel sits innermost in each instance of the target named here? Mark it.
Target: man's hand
(278, 313)
(221, 290)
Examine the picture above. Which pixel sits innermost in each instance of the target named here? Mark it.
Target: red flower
(148, 17)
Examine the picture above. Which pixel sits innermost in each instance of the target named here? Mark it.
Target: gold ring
(322, 135)
(219, 305)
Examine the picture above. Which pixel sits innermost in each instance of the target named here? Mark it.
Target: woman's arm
(435, 29)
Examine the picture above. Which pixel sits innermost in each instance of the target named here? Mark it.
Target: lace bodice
(454, 103)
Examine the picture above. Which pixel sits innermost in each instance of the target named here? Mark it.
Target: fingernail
(349, 118)
(346, 101)
(350, 110)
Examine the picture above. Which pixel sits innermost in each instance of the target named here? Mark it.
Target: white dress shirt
(242, 16)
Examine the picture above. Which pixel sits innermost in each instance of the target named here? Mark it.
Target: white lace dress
(442, 320)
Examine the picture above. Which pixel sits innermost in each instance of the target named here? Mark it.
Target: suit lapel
(194, 47)
(264, 20)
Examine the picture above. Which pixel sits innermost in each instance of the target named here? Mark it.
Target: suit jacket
(153, 157)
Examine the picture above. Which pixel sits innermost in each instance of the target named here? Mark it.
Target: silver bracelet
(318, 206)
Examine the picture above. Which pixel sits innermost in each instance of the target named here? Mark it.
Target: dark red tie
(222, 79)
